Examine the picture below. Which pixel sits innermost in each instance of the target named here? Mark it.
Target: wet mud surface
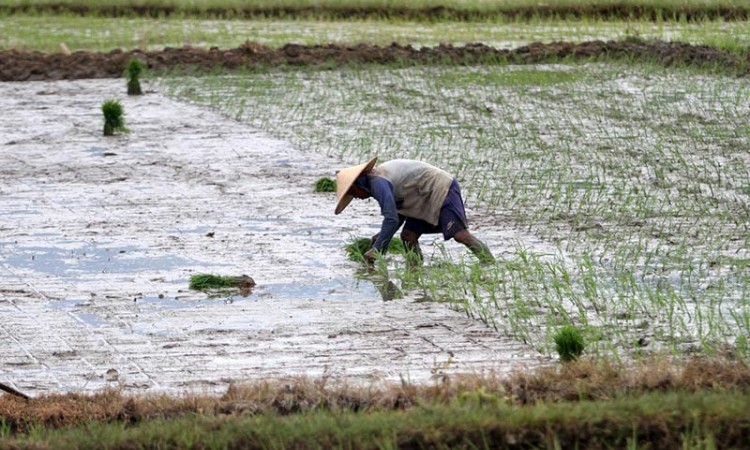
(19, 65)
(99, 237)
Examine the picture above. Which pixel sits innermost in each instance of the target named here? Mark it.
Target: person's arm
(382, 191)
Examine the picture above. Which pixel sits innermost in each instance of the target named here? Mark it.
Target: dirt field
(100, 235)
(17, 65)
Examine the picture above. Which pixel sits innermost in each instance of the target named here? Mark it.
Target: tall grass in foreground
(478, 420)
(651, 403)
(628, 188)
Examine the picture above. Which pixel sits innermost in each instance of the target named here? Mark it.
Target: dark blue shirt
(382, 190)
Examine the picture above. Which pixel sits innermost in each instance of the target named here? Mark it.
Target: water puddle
(88, 259)
(337, 289)
(99, 151)
(73, 309)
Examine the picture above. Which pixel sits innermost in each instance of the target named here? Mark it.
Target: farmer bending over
(427, 198)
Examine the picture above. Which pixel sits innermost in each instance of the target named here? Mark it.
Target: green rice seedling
(209, 282)
(569, 343)
(133, 73)
(641, 191)
(357, 248)
(325, 184)
(114, 117)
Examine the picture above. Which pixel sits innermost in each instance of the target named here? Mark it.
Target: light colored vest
(419, 188)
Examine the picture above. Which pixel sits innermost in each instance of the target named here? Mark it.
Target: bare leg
(477, 247)
(411, 244)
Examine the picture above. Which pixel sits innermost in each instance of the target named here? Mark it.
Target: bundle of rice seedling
(357, 248)
(325, 184)
(205, 281)
(569, 343)
(114, 117)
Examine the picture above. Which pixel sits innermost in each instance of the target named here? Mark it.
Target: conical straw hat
(344, 181)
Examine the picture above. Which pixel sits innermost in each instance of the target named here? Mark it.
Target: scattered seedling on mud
(325, 184)
(569, 343)
(133, 73)
(220, 283)
(632, 242)
(114, 117)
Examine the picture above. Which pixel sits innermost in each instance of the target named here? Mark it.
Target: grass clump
(569, 343)
(325, 184)
(133, 73)
(357, 248)
(114, 117)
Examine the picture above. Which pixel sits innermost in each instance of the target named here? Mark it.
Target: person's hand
(371, 255)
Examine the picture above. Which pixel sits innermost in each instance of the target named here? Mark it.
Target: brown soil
(19, 65)
(612, 11)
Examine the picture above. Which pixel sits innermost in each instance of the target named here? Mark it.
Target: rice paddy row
(46, 32)
(636, 180)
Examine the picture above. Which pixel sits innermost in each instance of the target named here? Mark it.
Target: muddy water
(99, 236)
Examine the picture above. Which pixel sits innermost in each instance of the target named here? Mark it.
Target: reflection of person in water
(423, 198)
(388, 289)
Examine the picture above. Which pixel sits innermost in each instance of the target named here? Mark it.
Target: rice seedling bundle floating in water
(205, 282)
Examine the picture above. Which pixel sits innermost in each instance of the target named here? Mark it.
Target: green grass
(45, 32)
(463, 5)
(659, 420)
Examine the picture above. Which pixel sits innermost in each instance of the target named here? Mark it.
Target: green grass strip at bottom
(656, 420)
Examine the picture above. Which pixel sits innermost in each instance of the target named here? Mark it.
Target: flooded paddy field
(626, 188)
(615, 198)
(100, 235)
